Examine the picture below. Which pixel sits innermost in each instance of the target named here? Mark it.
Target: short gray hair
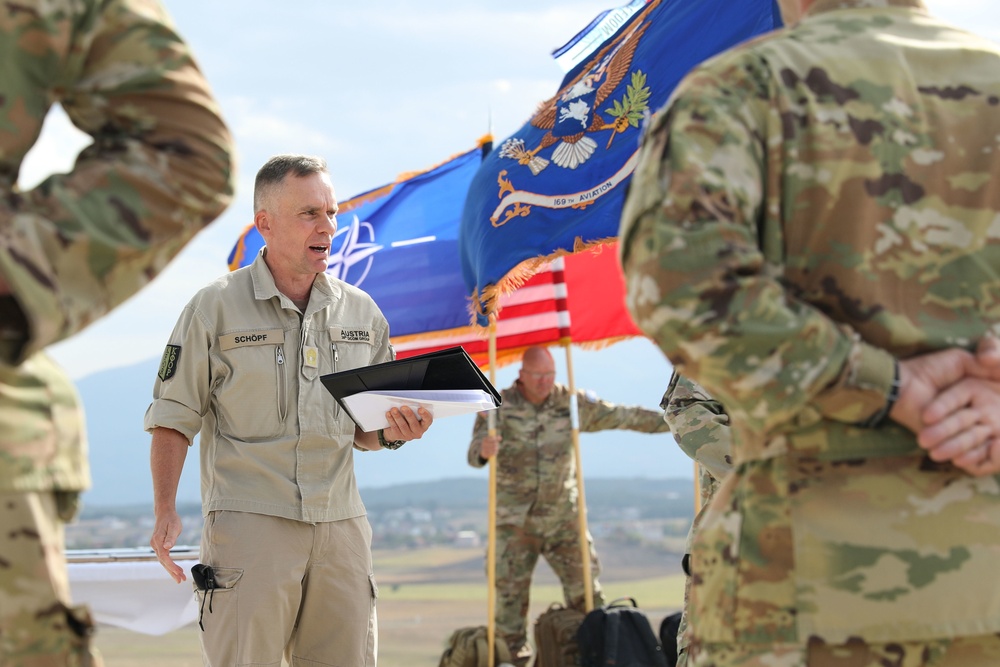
(275, 170)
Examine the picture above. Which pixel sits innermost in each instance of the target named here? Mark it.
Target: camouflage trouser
(38, 625)
(518, 549)
(708, 485)
(980, 651)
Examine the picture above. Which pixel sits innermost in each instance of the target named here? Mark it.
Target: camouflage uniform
(810, 206)
(536, 501)
(700, 426)
(73, 248)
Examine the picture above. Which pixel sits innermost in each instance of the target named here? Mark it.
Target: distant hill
(116, 400)
(472, 492)
(658, 498)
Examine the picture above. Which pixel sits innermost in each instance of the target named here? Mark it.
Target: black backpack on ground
(668, 637)
(619, 634)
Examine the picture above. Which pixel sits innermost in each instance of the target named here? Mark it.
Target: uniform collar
(324, 289)
(820, 6)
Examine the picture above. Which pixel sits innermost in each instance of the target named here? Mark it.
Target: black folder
(452, 368)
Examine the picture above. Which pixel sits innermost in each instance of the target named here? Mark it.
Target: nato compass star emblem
(352, 262)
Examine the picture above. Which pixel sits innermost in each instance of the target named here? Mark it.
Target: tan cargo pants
(284, 587)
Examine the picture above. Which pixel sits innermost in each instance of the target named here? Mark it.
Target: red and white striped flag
(578, 298)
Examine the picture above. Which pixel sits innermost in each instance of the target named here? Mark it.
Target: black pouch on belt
(204, 580)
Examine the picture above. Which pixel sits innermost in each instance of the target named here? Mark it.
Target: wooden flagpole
(566, 340)
(491, 531)
(574, 415)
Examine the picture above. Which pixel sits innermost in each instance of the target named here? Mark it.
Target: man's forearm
(367, 441)
(167, 456)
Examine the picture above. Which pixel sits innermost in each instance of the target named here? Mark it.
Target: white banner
(130, 589)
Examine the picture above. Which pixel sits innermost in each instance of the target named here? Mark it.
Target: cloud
(277, 124)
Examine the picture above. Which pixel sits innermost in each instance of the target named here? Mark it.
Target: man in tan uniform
(285, 533)
(536, 486)
(159, 169)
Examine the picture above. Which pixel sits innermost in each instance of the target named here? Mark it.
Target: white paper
(368, 408)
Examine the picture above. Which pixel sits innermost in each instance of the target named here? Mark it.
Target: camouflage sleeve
(479, 431)
(700, 425)
(600, 415)
(159, 169)
(703, 284)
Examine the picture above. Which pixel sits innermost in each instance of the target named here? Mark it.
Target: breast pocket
(253, 398)
(348, 355)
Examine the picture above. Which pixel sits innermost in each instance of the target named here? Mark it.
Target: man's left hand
(405, 424)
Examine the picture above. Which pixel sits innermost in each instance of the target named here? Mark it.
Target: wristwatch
(389, 444)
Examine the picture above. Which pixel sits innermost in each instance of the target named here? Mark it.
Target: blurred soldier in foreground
(811, 235)
(159, 170)
(536, 487)
(700, 426)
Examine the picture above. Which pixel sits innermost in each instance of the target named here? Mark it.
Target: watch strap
(389, 444)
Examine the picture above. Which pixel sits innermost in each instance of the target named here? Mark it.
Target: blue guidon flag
(558, 184)
(399, 243)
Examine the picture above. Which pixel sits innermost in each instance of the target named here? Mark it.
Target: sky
(377, 88)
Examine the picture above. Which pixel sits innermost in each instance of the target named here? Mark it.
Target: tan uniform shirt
(243, 367)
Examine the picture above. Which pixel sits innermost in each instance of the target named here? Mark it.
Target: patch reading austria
(168, 364)
(347, 335)
(246, 338)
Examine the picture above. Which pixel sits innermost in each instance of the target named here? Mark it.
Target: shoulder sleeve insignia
(168, 364)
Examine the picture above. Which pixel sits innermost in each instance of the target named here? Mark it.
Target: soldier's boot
(521, 655)
(520, 649)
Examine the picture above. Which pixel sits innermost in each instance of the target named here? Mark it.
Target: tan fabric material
(273, 439)
(310, 583)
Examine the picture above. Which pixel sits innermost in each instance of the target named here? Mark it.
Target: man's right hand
(924, 378)
(165, 532)
(964, 426)
(489, 446)
(951, 400)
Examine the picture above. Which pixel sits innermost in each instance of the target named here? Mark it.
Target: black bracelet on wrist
(389, 444)
(880, 417)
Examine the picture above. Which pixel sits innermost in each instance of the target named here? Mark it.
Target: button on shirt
(242, 367)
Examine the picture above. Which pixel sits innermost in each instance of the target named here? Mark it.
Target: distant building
(465, 539)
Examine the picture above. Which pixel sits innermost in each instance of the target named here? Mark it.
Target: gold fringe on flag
(485, 302)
